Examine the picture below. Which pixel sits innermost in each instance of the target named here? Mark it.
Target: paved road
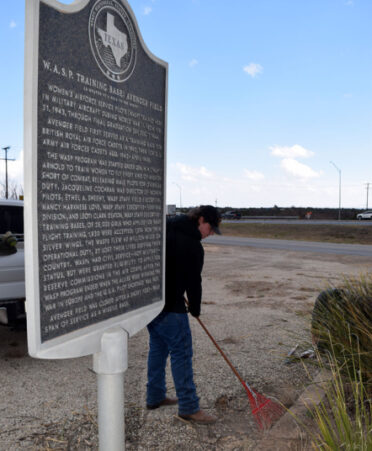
(299, 221)
(362, 250)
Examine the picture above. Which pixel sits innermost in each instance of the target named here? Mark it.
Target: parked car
(364, 215)
(12, 270)
(231, 215)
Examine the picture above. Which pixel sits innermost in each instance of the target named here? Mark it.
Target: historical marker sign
(95, 132)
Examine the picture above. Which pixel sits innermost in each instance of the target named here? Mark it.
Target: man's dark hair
(209, 213)
(195, 213)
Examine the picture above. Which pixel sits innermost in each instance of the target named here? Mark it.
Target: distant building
(171, 210)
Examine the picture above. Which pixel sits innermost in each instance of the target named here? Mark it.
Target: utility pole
(6, 149)
(339, 190)
(180, 194)
(367, 186)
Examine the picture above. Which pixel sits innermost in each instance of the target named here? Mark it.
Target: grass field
(352, 234)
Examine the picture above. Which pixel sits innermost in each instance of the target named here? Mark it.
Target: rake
(264, 410)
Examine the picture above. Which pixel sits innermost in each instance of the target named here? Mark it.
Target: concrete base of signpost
(110, 364)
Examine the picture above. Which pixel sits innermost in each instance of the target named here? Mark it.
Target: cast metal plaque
(95, 133)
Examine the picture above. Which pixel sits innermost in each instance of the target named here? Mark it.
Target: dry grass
(352, 234)
(344, 418)
(342, 322)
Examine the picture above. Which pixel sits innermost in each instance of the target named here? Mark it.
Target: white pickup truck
(12, 268)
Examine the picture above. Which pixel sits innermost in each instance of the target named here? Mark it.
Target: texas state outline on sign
(114, 39)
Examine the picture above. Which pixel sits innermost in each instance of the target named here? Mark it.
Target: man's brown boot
(200, 417)
(165, 402)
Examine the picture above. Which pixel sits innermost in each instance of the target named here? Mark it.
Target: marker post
(110, 364)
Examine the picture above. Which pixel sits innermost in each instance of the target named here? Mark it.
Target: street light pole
(367, 186)
(339, 189)
(179, 187)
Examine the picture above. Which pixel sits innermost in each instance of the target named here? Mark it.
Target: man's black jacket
(184, 264)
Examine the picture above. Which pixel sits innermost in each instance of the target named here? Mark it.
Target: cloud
(147, 10)
(193, 62)
(192, 174)
(253, 69)
(297, 169)
(12, 24)
(295, 151)
(253, 175)
(348, 95)
(349, 3)
(292, 184)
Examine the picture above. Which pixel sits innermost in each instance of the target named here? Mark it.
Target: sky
(269, 101)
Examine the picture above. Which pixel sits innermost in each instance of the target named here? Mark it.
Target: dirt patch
(260, 293)
(230, 340)
(263, 294)
(257, 305)
(77, 432)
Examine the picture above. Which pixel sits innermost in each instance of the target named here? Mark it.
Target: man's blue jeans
(170, 334)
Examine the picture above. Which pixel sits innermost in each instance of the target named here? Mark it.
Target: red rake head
(265, 411)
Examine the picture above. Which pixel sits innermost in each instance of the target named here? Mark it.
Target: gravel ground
(256, 304)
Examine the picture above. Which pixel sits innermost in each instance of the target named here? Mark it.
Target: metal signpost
(95, 138)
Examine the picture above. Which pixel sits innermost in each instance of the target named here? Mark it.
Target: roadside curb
(286, 434)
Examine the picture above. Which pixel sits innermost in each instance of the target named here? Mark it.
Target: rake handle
(235, 371)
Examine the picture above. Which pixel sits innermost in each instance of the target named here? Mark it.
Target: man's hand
(194, 311)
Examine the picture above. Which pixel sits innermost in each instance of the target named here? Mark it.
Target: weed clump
(342, 331)
(342, 324)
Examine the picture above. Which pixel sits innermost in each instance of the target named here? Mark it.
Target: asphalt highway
(362, 250)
